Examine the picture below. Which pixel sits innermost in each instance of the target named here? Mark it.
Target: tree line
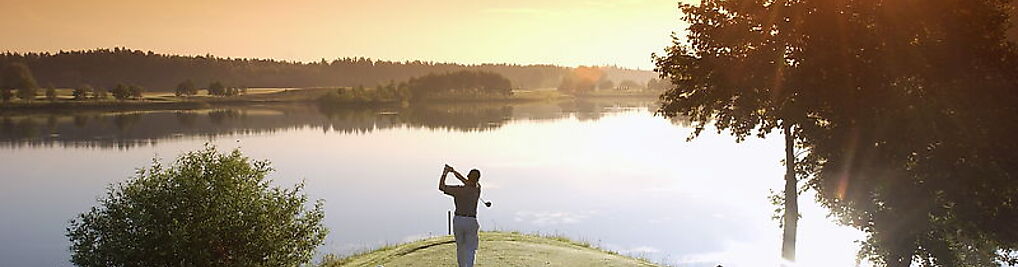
(107, 67)
(17, 80)
(899, 114)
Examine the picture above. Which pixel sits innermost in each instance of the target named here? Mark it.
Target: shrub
(205, 209)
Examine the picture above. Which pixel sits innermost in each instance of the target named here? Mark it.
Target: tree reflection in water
(124, 130)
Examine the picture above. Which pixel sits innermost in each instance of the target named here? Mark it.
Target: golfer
(464, 224)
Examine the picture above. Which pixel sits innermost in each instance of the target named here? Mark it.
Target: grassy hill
(496, 249)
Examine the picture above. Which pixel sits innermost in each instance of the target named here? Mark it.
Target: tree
(17, 76)
(81, 93)
(121, 92)
(217, 89)
(205, 209)
(731, 71)
(51, 93)
(904, 118)
(917, 121)
(581, 80)
(459, 84)
(165, 71)
(135, 91)
(186, 88)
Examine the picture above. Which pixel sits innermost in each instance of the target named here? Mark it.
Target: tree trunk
(791, 199)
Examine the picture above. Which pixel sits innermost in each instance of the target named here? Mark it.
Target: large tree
(904, 107)
(919, 98)
(732, 69)
(17, 76)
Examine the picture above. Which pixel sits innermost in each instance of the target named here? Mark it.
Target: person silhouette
(464, 224)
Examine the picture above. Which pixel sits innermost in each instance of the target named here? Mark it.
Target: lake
(603, 171)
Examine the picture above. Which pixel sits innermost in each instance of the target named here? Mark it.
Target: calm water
(605, 171)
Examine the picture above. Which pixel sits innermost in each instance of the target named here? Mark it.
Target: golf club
(486, 203)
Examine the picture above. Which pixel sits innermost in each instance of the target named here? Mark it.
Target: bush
(206, 209)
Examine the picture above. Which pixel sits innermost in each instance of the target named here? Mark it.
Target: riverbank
(496, 249)
(164, 101)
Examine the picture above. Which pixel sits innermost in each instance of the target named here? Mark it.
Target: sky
(561, 32)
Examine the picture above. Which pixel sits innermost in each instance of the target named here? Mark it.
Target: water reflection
(125, 130)
(602, 171)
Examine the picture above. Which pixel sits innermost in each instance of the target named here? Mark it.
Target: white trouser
(465, 231)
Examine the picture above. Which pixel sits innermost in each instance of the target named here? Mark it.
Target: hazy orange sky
(579, 32)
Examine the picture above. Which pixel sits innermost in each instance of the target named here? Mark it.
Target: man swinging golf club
(464, 224)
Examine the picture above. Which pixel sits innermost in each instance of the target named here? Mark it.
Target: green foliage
(164, 72)
(731, 72)
(186, 88)
(216, 88)
(907, 119)
(17, 76)
(468, 84)
(121, 92)
(205, 209)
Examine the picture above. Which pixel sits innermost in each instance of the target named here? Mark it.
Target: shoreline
(308, 96)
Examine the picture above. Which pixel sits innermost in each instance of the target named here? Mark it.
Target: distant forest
(158, 72)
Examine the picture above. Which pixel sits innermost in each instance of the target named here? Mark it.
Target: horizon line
(195, 55)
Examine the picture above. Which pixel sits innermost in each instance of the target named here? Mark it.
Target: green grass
(496, 249)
